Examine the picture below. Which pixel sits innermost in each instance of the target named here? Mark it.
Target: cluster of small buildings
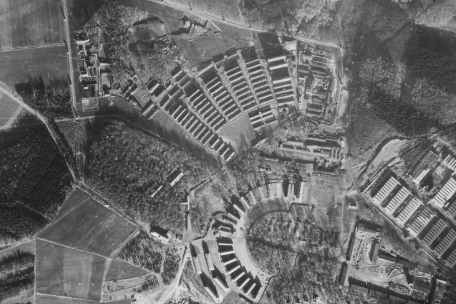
(431, 223)
(183, 100)
(218, 277)
(243, 280)
(193, 25)
(95, 78)
(418, 277)
(366, 235)
(314, 72)
(281, 80)
(369, 290)
(202, 104)
(296, 191)
(327, 146)
(172, 180)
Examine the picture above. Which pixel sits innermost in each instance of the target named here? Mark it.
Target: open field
(68, 272)
(30, 22)
(241, 35)
(47, 66)
(220, 9)
(120, 270)
(76, 198)
(91, 227)
(125, 301)
(48, 299)
(171, 17)
(8, 110)
(239, 132)
(203, 48)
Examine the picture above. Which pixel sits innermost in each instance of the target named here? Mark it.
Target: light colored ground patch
(91, 227)
(388, 150)
(30, 22)
(62, 271)
(9, 110)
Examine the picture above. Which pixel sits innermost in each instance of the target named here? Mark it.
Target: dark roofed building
(358, 286)
(387, 257)
(421, 285)
(343, 274)
(397, 299)
(415, 301)
(351, 244)
(374, 251)
(406, 263)
(175, 177)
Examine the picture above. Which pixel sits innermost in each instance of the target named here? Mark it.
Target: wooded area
(34, 180)
(127, 166)
(143, 251)
(16, 273)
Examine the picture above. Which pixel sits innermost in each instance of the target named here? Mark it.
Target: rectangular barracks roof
(359, 286)
(421, 285)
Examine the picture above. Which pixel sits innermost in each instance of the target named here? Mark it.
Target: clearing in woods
(9, 109)
(120, 270)
(91, 227)
(62, 271)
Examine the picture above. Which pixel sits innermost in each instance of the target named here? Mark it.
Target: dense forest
(34, 180)
(127, 166)
(52, 101)
(170, 265)
(143, 251)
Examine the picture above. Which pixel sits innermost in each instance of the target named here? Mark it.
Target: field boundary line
(133, 278)
(122, 245)
(31, 47)
(16, 245)
(65, 297)
(103, 201)
(69, 247)
(52, 223)
(107, 266)
(68, 212)
(150, 271)
(12, 118)
(34, 272)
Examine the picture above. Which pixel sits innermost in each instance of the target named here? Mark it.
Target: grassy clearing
(46, 67)
(120, 270)
(204, 48)
(241, 132)
(75, 198)
(241, 35)
(47, 299)
(100, 230)
(7, 109)
(67, 272)
(221, 9)
(30, 22)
